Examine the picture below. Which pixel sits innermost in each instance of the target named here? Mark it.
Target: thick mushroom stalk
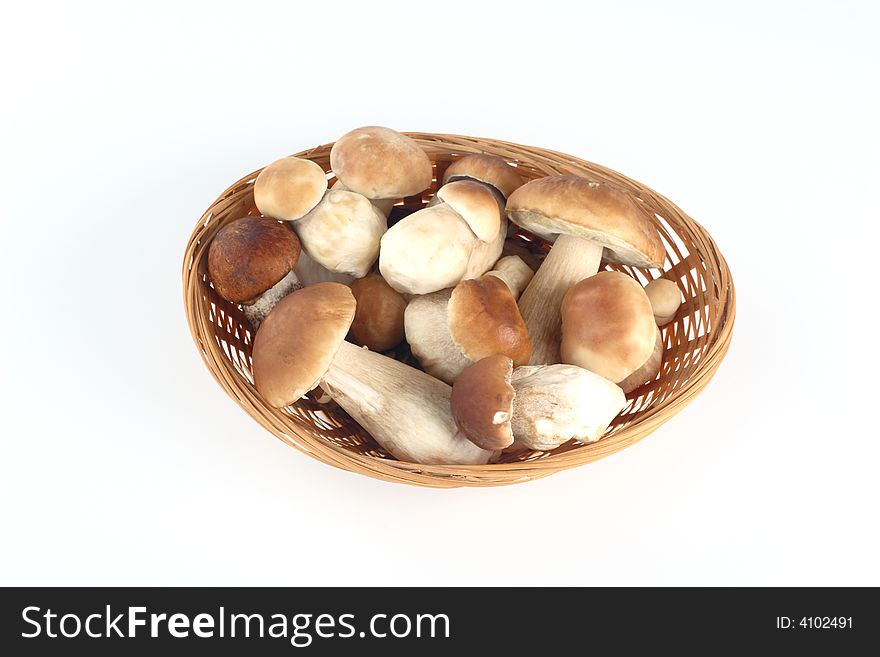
(589, 220)
(571, 259)
(301, 345)
(404, 409)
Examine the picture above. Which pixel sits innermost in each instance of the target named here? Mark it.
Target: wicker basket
(695, 341)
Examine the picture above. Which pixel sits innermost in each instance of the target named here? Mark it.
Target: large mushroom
(301, 344)
(251, 261)
(608, 328)
(380, 163)
(584, 218)
(459, 235)
(451, 329)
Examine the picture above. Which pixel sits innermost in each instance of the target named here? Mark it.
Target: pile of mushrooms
(508, 359)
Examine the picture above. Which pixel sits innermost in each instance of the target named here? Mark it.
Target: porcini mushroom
(482, 402)
(584, 218)
(342, 233)
(378, 320)
(459, 235)
(487, 169)
(513, 271)
(665, 299)
(289, 188)
(557, 403)
(380, 163)
(451, 329)
(608, 326)
(251, 262)
(301, 344)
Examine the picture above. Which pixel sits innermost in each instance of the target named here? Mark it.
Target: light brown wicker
(696, 340)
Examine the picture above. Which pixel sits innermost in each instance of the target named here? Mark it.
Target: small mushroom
(459, 235)
(380, 163)
(557, 403)
(665, 299)
(648, 371)
(289, 188)
(251, 261)
(482, 402)
(378, 320)
(342, 233)
(584, 218)
(513, 271)
(488, 169)
(301, 345)
(451, 329)
(608, 326)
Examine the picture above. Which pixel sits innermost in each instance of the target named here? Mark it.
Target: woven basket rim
(241, 390)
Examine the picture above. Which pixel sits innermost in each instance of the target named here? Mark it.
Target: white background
(124, 463)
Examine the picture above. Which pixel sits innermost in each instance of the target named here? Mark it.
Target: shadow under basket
(695, 341)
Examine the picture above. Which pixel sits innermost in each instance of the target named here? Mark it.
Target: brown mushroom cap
(484, 320)
(250, 255)
(482, 402)
(665, 298)
(378, 320)
(380, 163)
(477, 205)
(607, 325)
(289, 188)
(593, 211)
(487, 169)
(296, 343)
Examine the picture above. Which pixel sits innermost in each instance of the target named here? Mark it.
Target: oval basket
(695, 341)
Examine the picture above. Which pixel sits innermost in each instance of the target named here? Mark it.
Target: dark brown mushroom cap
(378, 320)
(482, 402)
(250, 255)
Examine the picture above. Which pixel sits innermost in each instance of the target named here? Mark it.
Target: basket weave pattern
(695, 341)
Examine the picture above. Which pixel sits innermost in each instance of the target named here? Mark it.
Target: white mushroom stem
(257, 311)
(514, 272)
(404, 409)
(571, 260)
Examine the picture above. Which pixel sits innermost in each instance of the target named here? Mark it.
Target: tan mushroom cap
(378, 320)
(487, 169)
(289, 188)
(477, 205)
(250, 255)
(593, 211)
(380, 163)
(665, 298)
(484, 320)
(607, 325)
(297, 341)
(482, 402)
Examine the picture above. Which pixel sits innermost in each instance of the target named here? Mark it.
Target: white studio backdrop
(123, 463)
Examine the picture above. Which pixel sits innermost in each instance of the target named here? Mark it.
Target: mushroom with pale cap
(380, 163)
(459, 235)
(289, 188)
(608, 326)
(665, 299)
(557, 403)
(513, 271)
(301, 344)
(251, 261)
(378, 320)
(451, 329)
(584, 218)
(342, 233)
(487, 169)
